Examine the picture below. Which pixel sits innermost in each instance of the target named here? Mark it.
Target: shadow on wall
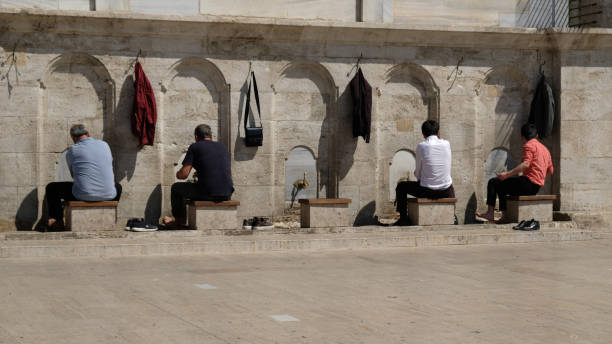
(366, 216)
(346, 144)
(470, 210)
(123, 143)
(27, 214)
(241, 151)
(154, 206)
(507, 86)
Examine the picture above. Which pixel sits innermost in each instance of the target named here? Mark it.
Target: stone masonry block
(91, 216)
(204, 215)
(539, 207)
(427, 212)
(332, 212)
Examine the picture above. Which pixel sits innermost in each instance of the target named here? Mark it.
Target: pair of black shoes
(531, 225)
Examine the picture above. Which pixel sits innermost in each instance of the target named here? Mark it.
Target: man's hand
(503, 175)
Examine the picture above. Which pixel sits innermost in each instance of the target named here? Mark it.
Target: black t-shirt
(211, 160)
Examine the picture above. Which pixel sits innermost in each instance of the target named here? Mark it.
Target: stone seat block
(539, 207)
(208, 215)
(324, 212)
(91, 216)
(427, 212)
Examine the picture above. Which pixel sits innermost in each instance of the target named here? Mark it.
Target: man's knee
(180, 188)
(493, 182)
(401, 187)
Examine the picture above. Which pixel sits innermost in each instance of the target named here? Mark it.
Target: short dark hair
(430, 127)
(203, 131)
(78, 130)
(529, 131)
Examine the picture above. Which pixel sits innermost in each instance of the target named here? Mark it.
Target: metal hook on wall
(134, 61)
(356, 66)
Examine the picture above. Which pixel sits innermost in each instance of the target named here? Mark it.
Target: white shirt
(433, 163)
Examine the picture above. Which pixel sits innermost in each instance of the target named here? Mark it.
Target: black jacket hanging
(542, 112)
(361, 92)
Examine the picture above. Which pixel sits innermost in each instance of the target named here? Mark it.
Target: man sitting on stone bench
(536, 166)
(433, 168)
(91, 165)
(211, 161)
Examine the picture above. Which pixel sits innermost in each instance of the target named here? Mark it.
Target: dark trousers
(415, 189)
(183, 191)
(58, 191)
(513, 186)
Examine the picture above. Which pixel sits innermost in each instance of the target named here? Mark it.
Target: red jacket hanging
(145, 110)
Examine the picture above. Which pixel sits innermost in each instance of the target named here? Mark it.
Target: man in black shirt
(212, 164)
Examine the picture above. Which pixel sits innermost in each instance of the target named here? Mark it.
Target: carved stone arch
(328, 85)
(419, 77)
(314, 154)
(74, 88)
(303, 110)
(66, 100)
(194, 91)
(504, 92)
(186, 76)
(94, 72)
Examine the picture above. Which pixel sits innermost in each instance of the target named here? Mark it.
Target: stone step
(173, 243)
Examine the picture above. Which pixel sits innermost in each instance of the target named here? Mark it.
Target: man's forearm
(518, 169)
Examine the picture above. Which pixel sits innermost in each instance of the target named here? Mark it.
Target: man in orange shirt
(536, 166)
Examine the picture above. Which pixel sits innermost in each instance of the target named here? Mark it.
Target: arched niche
(300, 162)
(76, 88)
(498, 160)
(193, 92)
(505, 95)
(408, 97)
(401, 168)
(303, 105)
(399, 76)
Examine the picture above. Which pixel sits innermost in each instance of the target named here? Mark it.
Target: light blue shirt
(91, 164)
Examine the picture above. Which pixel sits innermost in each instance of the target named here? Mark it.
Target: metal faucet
(301, 183)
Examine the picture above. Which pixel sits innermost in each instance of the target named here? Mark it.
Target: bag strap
(248, 101)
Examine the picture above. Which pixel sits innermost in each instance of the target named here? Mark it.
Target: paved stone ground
(524, 293)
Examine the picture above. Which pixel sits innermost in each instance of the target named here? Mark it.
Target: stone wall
(71, 67)
(505, 13)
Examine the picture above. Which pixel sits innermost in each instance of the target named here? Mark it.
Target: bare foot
(486, 216)
(55, 225)
(167, 220)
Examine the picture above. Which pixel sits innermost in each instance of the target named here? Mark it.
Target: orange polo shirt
(540, 162)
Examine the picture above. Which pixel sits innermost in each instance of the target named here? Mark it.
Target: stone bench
(539, 207)
(427, 212)
(324, 212)
(91, 216)
(208, 215)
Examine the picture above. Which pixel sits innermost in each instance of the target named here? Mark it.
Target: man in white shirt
(433, 168)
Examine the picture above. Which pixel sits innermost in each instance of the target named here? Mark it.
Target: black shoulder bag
(253, 135)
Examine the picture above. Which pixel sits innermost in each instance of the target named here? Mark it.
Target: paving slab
(171, 243)
(533, 293)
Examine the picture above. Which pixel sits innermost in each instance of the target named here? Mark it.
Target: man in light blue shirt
(91, 165)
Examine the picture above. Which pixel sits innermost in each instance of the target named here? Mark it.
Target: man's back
(433, 163)
(91, 163)
(211, 161)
